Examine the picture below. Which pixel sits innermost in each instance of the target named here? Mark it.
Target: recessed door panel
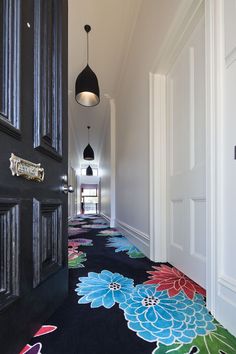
(48, 75)
(9, 251)
(48, 250)
(10, 66)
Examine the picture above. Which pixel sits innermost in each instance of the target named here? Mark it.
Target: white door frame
(186, 19)
(214, 112)
(188, 16)
(157, 167)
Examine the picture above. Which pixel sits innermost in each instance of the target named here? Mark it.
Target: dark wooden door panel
(9, 251)
(48, 76)
(33, 126)
(47, 239)
(10, 66)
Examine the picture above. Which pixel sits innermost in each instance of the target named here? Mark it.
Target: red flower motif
(45, 330)
(173, 280)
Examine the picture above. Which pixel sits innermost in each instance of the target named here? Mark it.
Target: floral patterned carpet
(120, 302)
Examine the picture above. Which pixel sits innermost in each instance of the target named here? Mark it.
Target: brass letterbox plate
(26, 169)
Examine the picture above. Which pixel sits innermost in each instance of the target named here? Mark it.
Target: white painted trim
(228, 282)
(106, 217)
(192, 107)
(157, 175)
(126, 49)
(189, 14)
(231, 58)
(113, 161)
(214, 116)
(105, 127)
(187, 18)
(137, 237)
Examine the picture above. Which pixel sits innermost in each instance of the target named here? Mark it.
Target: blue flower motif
(104, 289)
(157, 317)
(122, 244)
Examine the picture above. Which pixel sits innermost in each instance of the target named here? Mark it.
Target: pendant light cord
(87, 30)
(88, 133)
(87, 48)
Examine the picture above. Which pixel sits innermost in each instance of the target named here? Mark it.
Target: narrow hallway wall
(105, 172)
(132, 127)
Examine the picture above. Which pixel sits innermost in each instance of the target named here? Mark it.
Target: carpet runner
(122, 303)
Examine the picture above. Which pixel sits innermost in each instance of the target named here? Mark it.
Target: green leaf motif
(78, 261)
(136, 254)
(219, 341)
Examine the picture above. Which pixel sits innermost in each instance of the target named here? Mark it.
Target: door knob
(66, 189)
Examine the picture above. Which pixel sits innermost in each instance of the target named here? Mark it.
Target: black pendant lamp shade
(89, 171)
(88, 151)
(86, 86)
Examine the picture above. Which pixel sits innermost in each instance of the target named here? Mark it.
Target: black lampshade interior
(86, 88)
(89, 171)
(88, 153)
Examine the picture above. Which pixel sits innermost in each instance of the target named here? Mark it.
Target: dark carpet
(172, 320)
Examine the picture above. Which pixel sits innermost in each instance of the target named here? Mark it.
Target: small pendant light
(86, 86)
(88, 151)
(89, 171)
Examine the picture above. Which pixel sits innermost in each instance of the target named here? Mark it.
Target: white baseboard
(137, 237)
(108, 219)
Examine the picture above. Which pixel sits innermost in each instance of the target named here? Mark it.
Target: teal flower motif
(104, 289)
(109, 232)
(122, 244)
(156, 317)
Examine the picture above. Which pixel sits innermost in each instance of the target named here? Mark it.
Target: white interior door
(186, 195)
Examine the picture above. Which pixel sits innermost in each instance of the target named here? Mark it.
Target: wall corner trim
(157, 167)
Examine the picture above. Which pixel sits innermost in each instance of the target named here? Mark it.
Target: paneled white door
(186, 195)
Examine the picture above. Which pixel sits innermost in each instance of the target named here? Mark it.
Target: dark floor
(85, 330)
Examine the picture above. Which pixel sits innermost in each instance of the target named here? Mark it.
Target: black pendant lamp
(86, 86)
(88, 151)
(89, 171)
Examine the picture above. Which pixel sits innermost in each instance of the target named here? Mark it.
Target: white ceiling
(112, 23)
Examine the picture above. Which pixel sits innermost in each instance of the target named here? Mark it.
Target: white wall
(73, 162)
(132, 120)
(73, 152)
(105, 172)
(72, 197)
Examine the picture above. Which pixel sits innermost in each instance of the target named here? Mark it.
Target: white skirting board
(108, 219)
(136, 237)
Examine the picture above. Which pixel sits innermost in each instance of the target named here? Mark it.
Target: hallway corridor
(112, 310)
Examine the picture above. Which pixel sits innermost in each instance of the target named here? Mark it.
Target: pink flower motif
(36, 348)
(76, 242)
(73, 254)
(73, 231)
(174, 281)
(45, 329)
(25, 349)
(73, 244)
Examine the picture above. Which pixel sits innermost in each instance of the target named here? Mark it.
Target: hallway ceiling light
(88, 151)
(86, 86)
(89, 171)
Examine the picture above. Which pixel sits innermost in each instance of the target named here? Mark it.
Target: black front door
(33, 127)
